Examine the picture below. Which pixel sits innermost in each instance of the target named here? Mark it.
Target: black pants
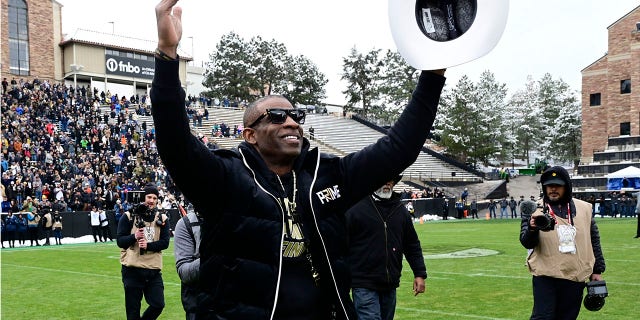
(47, 235)
(22, 235)
(33, 235)
(106, 233)
(138, 282)
(556, 299)
(11, 238)
(97, 233)
(638, 230)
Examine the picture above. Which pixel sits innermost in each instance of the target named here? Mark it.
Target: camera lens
(593, 302)
(543, 222)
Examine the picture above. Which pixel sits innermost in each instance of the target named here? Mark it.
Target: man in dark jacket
(380, 232)
(561, 259)
(273, 235)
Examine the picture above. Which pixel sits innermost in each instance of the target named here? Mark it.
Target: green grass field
(82, 281)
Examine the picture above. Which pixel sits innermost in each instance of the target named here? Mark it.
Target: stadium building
(611, 119)
(33, 47)
(611, 89)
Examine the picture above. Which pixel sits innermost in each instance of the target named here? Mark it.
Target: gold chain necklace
(290, 205)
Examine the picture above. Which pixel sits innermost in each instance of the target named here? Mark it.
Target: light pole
(113, 26)
(193, 59)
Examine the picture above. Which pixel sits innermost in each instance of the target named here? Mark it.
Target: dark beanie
(149, 189)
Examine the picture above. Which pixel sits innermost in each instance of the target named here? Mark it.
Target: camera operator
(565, 253)
(57, 227)
(47, 224)
(142, 235)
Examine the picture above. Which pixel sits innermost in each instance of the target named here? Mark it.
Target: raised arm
(182, 154)
(397, 150)
(169, 23)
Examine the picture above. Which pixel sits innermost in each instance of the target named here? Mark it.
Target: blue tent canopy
(627, 178)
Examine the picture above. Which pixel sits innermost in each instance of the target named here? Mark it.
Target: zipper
(277, 289)
(324, 248)
(386, 234)
(386, 238)
(386, 251)
(315, 222)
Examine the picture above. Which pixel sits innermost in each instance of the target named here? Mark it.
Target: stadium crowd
(63, 149)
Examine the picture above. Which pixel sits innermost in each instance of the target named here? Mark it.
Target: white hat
(437, 34)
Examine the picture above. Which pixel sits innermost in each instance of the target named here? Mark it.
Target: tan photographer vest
(546, 258)
(131, 256)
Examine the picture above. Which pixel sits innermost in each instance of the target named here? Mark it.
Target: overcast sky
(560, 37)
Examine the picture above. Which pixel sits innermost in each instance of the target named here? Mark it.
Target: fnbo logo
(113, 65)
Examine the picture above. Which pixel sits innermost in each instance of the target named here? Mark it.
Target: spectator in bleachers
(405, 194)
(118, 209)
(59, 137)
(45, 202)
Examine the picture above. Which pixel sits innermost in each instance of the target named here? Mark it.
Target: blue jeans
(374, 305)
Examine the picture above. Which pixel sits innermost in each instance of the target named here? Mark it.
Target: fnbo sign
(129, 67)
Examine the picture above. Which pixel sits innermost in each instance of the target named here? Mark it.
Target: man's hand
(439, 71)
(142, 243)
(418, 286)
(596, 277)
(139, 234)
(169, 22)
(532, 223)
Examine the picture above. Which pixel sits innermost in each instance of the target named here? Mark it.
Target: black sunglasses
(279, 116)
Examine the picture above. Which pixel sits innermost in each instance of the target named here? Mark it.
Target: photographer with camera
(565, 251)
(57, 227)
(142, 235)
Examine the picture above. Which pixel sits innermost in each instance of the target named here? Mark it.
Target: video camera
(142, 213)
(596, 292)
(545, 222)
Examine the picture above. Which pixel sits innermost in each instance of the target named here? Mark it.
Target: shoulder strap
(187, 224)
(190, 224)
